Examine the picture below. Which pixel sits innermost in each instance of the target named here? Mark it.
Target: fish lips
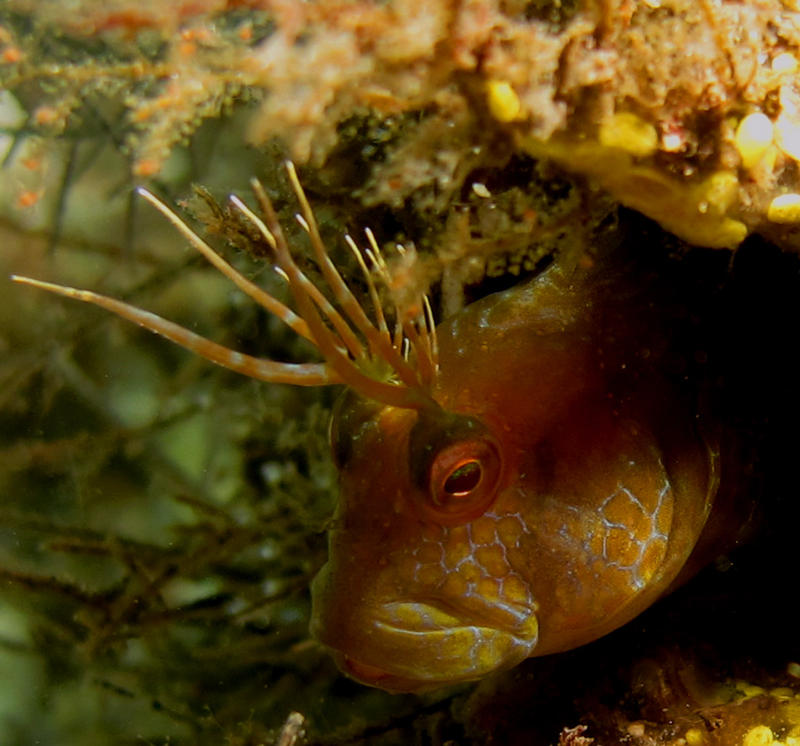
(414, 646)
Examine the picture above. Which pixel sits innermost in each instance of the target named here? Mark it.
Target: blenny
(519, 480)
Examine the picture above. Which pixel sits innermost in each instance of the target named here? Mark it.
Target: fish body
(596, 482)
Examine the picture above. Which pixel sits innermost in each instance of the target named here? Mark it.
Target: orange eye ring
(463, 481)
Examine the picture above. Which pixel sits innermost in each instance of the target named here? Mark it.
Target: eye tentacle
(418, 343)
(264, 299)
(371, 288)
(326, 342)
(344, 295)
(431, 333)
(370, 254)
(376, 257)
(275, 239)
(418, 323)
(357, 352)
(427, 373)
(298, 374)
(404, 324)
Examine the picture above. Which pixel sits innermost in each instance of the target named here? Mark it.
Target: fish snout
(416, 645)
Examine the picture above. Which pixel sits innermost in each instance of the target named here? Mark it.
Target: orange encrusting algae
(518, 480)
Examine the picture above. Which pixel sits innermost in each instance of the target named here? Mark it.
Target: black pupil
(464, 479)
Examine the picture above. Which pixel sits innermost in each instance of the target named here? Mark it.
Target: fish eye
(462, 481)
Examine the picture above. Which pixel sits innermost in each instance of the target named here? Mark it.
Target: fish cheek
(599, 506)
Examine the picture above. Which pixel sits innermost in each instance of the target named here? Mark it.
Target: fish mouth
(413, 646)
